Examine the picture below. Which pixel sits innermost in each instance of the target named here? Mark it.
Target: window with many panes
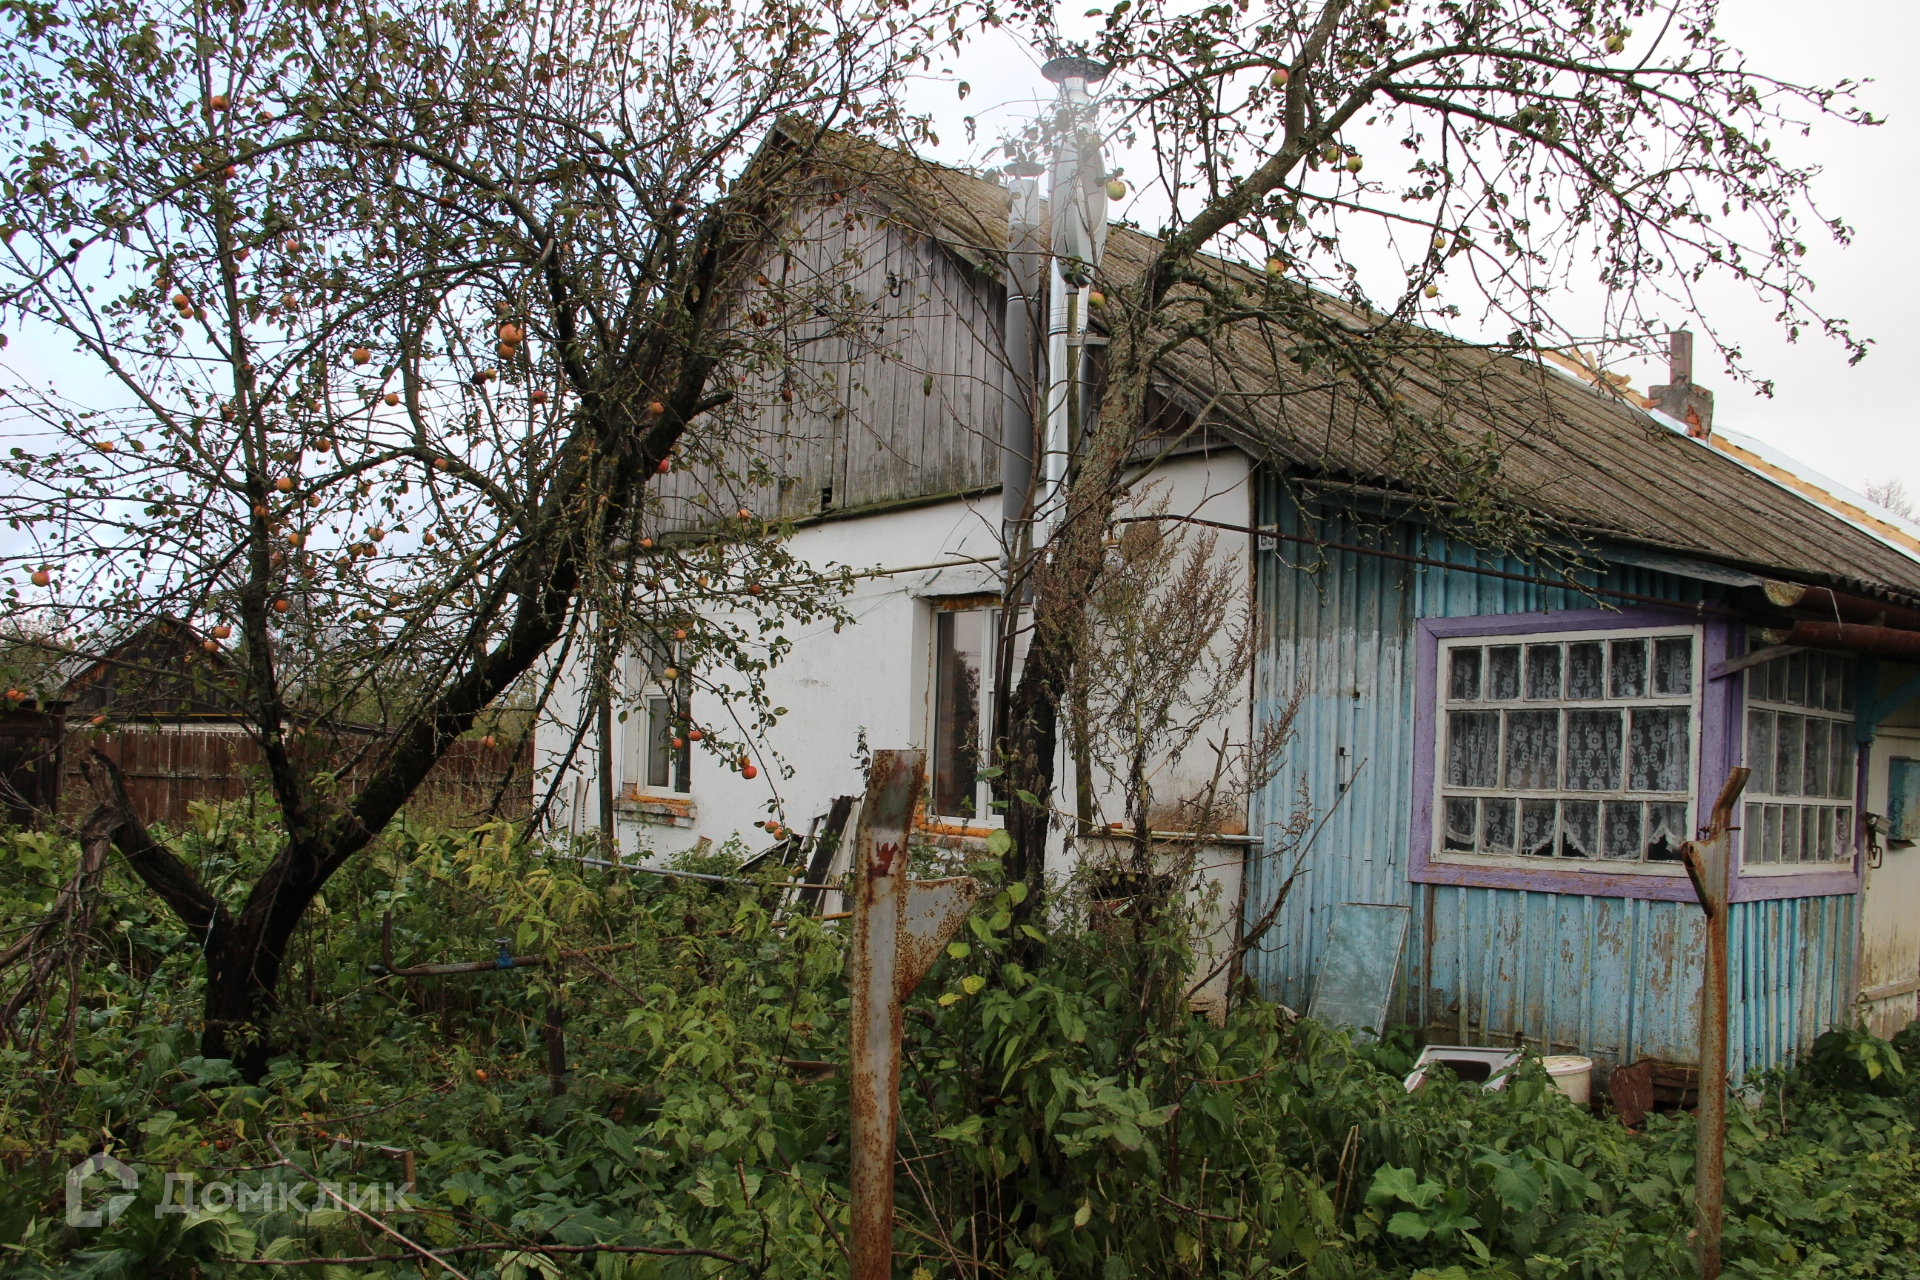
(1570, 746)
(1800, 747)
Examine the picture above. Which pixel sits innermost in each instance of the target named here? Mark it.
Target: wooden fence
(168, 767)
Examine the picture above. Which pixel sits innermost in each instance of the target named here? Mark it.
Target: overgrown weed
(1068, 1119)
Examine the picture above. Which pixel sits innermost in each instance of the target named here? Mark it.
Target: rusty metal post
(899, 927)
(1708, 866)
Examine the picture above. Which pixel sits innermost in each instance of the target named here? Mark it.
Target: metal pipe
(1839, 605)
(1053, 450)
(1708, 863)
(609, 830)
(1077, 213)
(1881, 642)
(899, 927)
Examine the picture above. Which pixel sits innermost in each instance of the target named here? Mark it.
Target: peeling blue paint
(1611, 977)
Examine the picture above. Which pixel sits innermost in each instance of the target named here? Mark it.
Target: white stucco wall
(874, 675)
(871, 675)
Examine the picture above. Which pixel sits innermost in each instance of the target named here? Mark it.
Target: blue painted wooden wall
(1614, 978)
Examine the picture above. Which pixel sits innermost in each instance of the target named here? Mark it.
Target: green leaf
(966, 1129)
(1518, 1186)
(1390, 1184)
(959, 950)
(1017, 890)
(972, 983)
(998, 842)
(1408, 1225)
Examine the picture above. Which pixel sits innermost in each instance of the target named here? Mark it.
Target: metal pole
(899, 927)
(1708, 865)
(609, 834)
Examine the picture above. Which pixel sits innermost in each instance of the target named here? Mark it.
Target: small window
(667, 752)
(1801, 751)
(661, 754)
(1571, 748)
(962, 700)
(964, 661)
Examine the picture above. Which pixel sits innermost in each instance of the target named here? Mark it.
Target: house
(1508, 750)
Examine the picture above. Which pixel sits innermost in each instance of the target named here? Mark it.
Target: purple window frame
(1722, 741)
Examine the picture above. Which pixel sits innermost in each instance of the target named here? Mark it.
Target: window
(962, 709)
(661, 755)
(1575, 745)
(1903, 800)
(1800, 748)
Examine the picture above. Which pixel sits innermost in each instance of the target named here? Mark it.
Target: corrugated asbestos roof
(1569, 452)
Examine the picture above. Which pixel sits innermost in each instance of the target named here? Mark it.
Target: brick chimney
(1680, 398)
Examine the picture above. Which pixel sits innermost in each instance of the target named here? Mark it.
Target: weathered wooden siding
(1619, 978)
(895, 377)
(1612, 977)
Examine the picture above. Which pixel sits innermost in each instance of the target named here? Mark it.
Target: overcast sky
(1855, 424)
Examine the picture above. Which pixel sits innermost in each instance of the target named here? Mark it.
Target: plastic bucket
(1573, 1074)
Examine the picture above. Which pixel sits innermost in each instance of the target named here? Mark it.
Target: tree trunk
(1065, 573)
(243, 953)
(243, 976)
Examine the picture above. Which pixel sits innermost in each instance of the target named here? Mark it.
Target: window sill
(1777, 870)
(956, 827)
(1567, 866)
(658, 811)
(1661, 881)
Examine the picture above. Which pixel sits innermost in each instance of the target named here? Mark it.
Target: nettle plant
(370, 329)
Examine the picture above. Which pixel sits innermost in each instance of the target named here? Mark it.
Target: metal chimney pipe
(1076, 208)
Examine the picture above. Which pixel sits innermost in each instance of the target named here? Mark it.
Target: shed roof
(1572, 453)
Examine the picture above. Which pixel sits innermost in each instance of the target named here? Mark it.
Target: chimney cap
(1071, 67)
(1024, 169)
